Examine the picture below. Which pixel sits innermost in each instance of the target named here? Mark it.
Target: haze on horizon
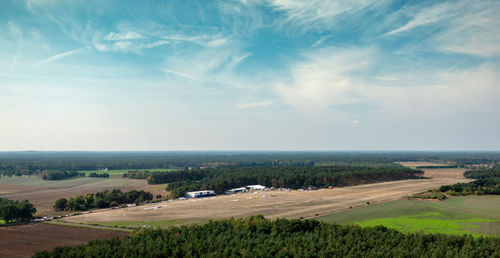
(249, 75)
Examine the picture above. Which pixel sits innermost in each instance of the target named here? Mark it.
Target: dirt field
(44, 193)
(293, 204)
(26, 240)
(421, 163)
(457, 173)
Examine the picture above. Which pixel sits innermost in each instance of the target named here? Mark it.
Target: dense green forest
(258, 237)
(102, 175)
(102, 199)
(482, 173)
(15, 210)
(222, 179)
(28, 163)
(60, 175)
(137, 174)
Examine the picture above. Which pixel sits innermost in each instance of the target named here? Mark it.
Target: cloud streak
(61, 55)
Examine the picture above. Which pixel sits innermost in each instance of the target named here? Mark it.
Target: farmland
(26, 240)
(294, 204)
(43, 193)
(476, 215)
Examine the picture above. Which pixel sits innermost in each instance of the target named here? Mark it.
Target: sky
(249, 75)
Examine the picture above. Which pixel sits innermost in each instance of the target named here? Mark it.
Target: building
(200, 194)
(236, 190)
(255, 187)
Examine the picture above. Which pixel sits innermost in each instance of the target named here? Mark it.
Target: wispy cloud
(185, 75)
(426, 16)
(464, 27)
(123, 36)
(61, 55)
(257, 104)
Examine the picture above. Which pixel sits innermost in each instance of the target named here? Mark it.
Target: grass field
(476, 215)
(124, 171)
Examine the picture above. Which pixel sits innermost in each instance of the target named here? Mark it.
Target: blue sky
(249, 75)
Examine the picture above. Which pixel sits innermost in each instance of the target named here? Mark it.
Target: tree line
(60, 175)
(259, 237)
(137, 174)
(15, 210)
(487, 182)
(221, 179)
(32, 163)
(104, 199)
(102, 175)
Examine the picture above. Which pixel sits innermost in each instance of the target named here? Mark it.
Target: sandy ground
(283, 204)
(26, 240)
(421, 163)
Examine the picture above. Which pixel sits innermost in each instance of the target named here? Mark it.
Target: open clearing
(476, 215)
(414, 164)
(293, 204)
(120, 172)
(26, 240)
(43, 193)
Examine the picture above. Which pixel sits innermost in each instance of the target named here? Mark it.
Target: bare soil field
(421, 163)
(44, 193)
(457, 173)
(26, 240)
(272, 204)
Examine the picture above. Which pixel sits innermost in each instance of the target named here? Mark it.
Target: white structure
(255, 187)
(199, 194)
(236, 190)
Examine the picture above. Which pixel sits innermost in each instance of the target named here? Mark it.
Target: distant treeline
(60, 175)
(221, 179)
(136, 174)
(424, 167)
(28, 163)
(15, 210)
(258, 237)
(101, 200)
(95, 174)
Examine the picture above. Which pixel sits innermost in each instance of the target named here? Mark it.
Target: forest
(101, 200)
(60, 175)
(15, 210)
(34, 162)
(222, 179)
(258, 237)
(487, 182)
(101, 175)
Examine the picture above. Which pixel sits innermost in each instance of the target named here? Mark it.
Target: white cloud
(61, 55)
(185, 75)
(426, 16)
(330, 78)
(263, 103)
(317, 14)
(123, 35)
(217, 42)
(324, 79)
(464, 26)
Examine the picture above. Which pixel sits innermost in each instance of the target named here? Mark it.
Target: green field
(124, 171)
(476, 215)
